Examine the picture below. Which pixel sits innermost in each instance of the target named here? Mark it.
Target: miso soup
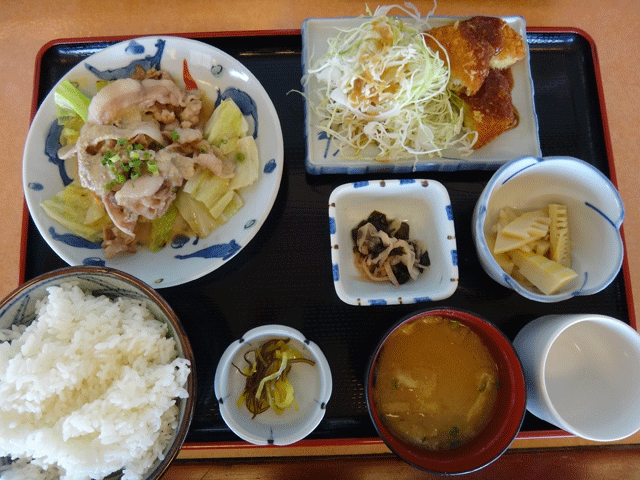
(435, 383)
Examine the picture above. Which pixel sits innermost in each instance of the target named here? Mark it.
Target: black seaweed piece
(401, 273)
(379, 220)
(424, 259)
(377, 248)
(403, 232)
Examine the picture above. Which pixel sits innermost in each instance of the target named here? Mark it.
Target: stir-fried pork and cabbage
(153, 161)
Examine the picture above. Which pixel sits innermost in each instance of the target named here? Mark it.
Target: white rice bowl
(88, 388)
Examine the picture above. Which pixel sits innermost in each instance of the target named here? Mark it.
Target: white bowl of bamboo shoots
(549, 228)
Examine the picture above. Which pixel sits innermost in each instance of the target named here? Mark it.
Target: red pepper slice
(189, 82)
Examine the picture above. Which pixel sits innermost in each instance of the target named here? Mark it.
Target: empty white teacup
(583, 374)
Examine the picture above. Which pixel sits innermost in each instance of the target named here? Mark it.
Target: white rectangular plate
(323, 155)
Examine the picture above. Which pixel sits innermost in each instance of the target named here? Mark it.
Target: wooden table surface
(27, 25)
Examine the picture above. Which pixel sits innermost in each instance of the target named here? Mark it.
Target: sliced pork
(129, 96)
(142, 140)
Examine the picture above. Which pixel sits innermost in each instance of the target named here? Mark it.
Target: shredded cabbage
(383, 87)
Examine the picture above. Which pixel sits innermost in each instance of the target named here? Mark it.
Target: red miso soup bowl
(506, 417)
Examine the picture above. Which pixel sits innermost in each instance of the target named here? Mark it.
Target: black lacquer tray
(284, 275)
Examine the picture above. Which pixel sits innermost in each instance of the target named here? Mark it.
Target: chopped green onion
(175, 135)
(134, 155)
(240, 157)
(122, 141)
(152, 167)
(139, 146)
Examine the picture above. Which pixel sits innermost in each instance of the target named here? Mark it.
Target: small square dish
(324, 157)
(426, 207)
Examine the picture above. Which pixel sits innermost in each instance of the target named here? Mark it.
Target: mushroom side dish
(384, 250)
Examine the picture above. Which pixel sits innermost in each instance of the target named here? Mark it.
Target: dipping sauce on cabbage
(435, 383)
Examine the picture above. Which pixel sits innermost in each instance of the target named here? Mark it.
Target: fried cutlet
(468, 60)
(473, 47)
(491, 112)
(513, 49)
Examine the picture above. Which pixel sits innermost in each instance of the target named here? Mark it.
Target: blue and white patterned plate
(322, 153)
(219, 76)
(425, 205)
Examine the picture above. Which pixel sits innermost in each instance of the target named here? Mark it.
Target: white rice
(88, 389)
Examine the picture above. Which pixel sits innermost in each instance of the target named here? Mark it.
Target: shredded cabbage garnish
(383, 87)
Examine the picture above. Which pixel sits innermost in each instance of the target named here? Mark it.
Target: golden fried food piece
(513, 49)
(491, 112)
(468, 59)
(473, 47)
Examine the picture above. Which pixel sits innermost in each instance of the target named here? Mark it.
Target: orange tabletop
(614, 27)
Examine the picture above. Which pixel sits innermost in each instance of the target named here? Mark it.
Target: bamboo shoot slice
(548, 276)
(503, 259)
(560, 250)
(505, 243)
(506, 216)
(528, 225)
(541, 247)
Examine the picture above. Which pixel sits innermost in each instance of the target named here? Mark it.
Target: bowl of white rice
(97, 378)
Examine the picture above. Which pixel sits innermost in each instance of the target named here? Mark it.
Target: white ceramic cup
(583, 374)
